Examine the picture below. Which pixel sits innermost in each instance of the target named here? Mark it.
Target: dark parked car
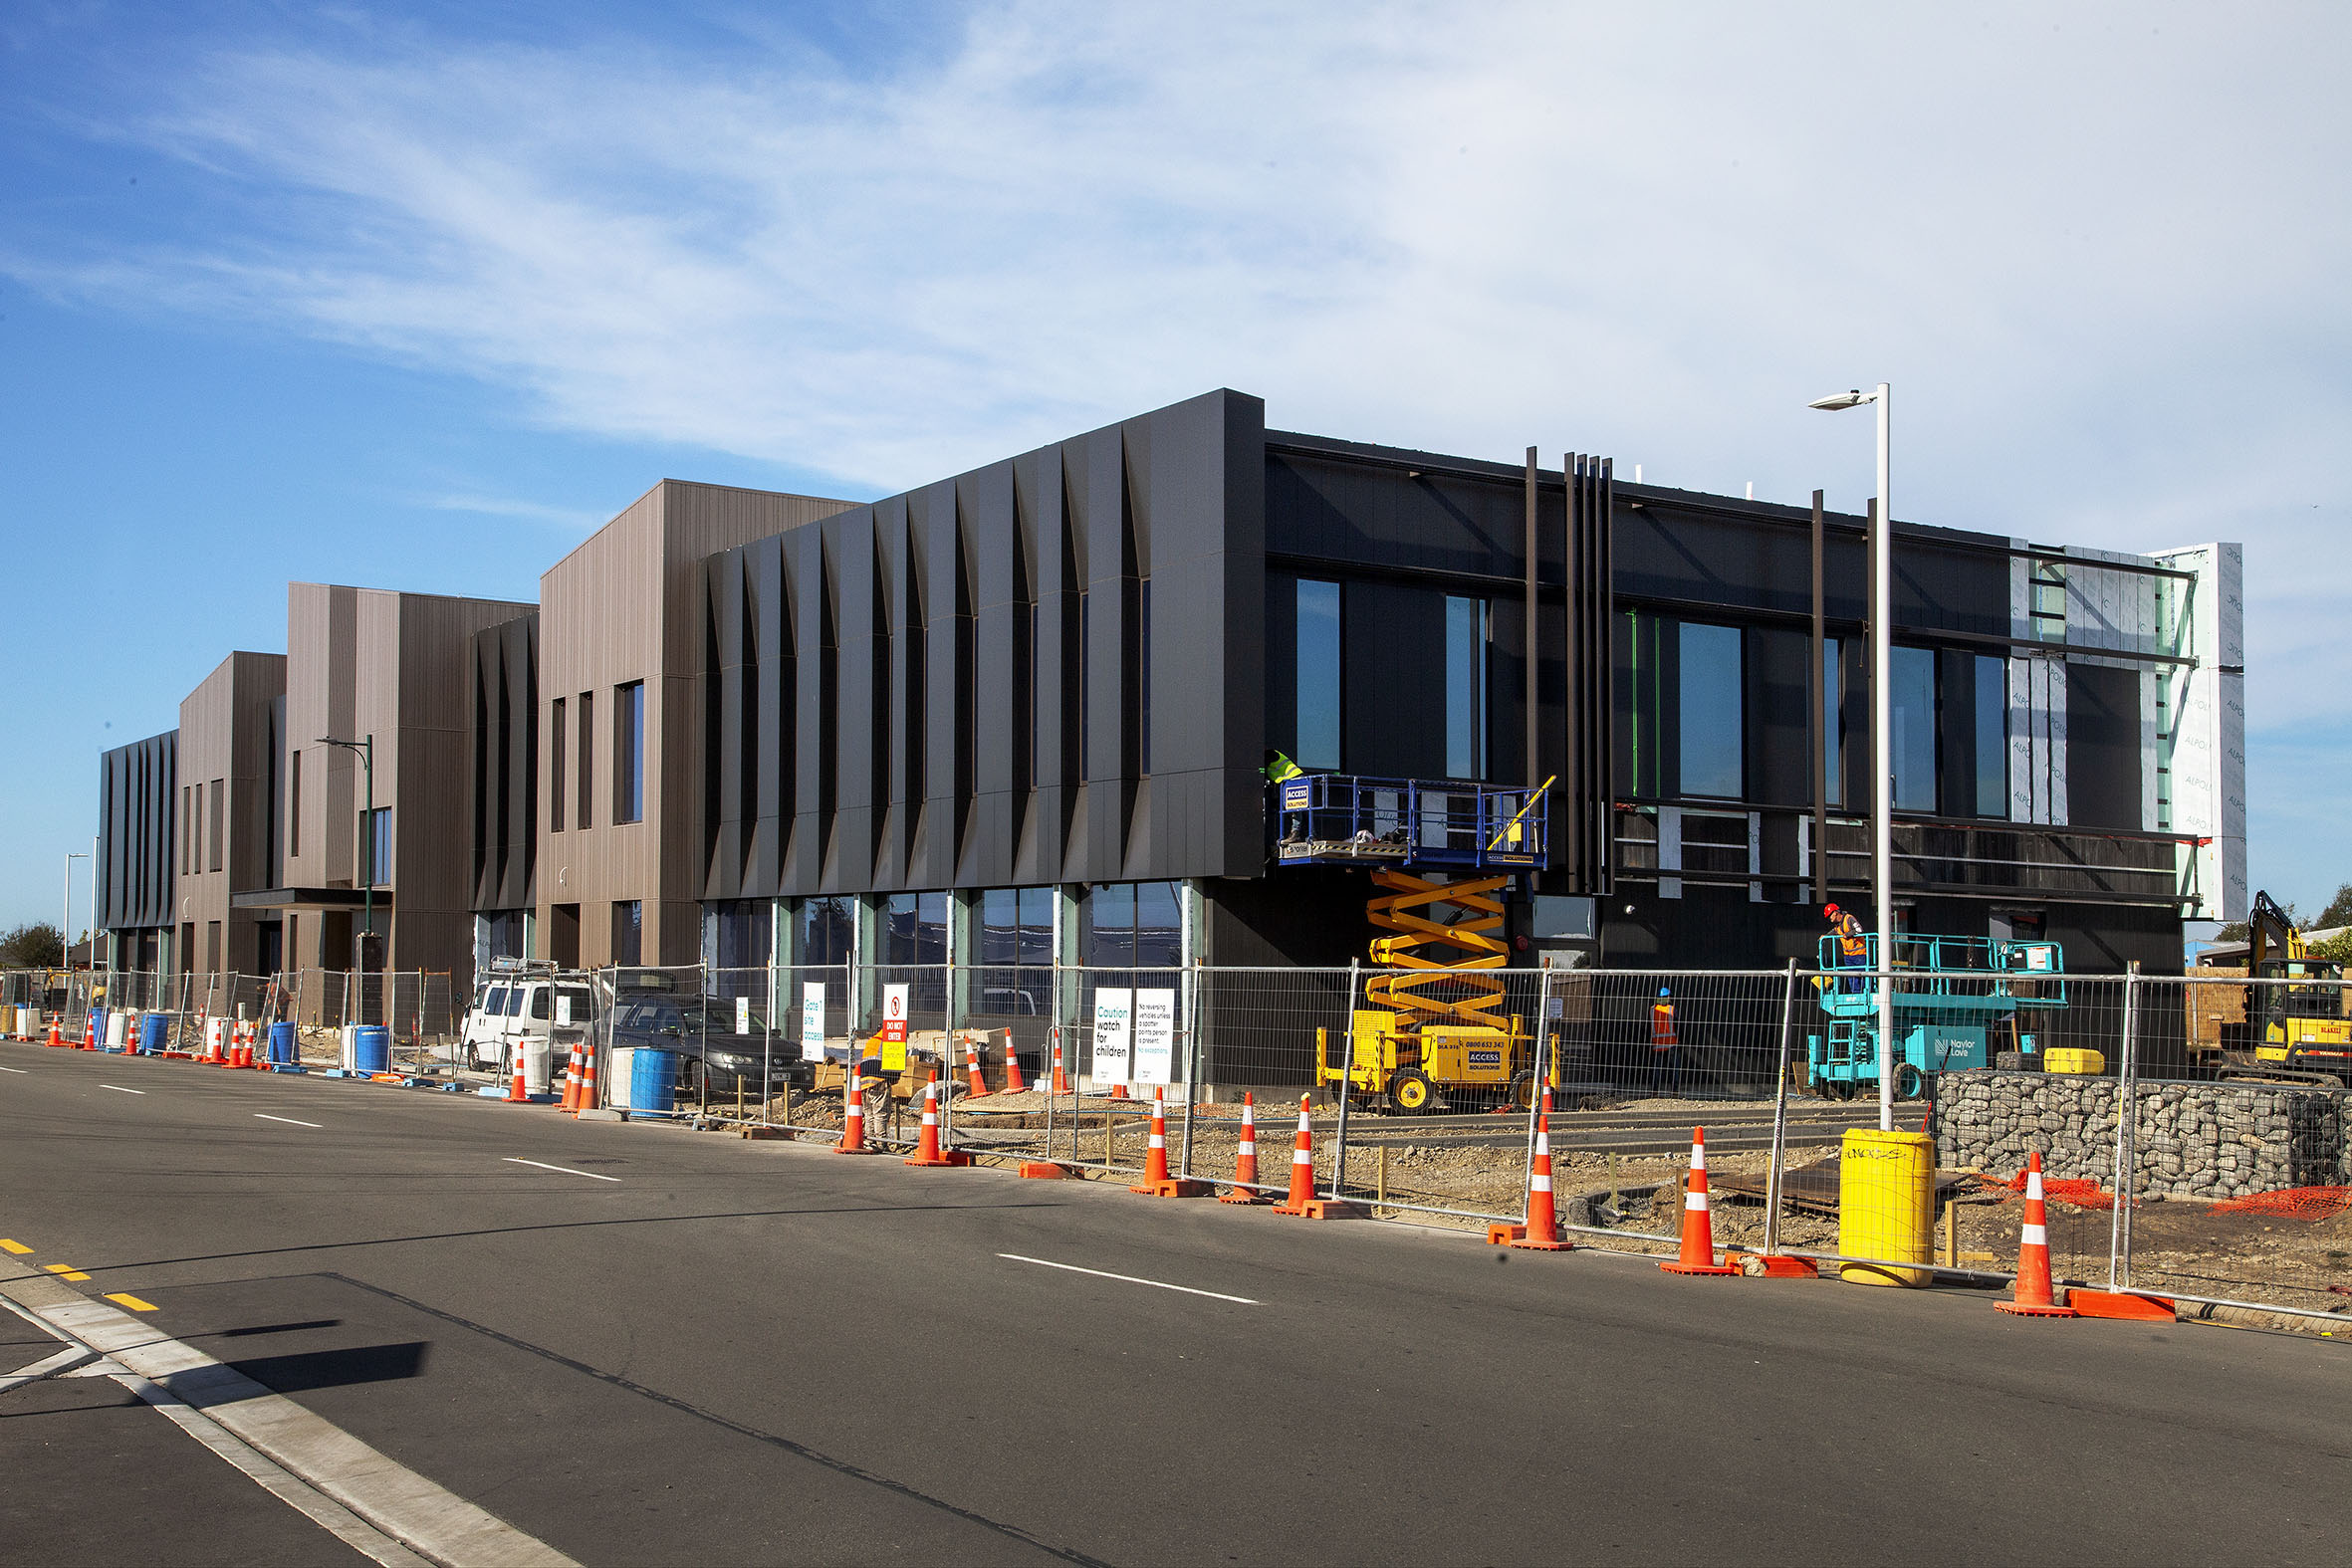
(702, 1031)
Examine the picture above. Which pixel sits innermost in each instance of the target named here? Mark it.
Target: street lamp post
(1882, 830)
(66, 932)
(365, 749)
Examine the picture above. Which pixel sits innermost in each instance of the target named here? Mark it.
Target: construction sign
(1114, 1011)
(1155, 1036)
(895, 1029)
(812, 1021)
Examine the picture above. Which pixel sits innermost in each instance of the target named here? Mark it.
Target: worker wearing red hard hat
(1853, 948)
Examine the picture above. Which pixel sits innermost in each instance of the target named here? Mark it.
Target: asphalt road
(758, 1352)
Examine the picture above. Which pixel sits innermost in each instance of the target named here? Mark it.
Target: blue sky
(417, 297)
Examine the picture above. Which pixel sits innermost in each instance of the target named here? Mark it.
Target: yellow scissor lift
(1432, 1029)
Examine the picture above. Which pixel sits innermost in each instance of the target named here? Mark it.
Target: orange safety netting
(2296, 1203)
(2078, 1191)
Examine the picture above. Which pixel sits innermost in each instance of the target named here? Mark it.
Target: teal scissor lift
(1955, 997)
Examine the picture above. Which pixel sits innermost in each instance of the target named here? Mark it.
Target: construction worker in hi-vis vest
(1853, 948)
(1280, 767)
(1663, 1040)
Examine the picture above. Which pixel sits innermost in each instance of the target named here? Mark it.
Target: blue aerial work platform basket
(1956, 999)
(1345, 819)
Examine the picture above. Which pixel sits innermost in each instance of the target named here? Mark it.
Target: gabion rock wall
(2196, 1140)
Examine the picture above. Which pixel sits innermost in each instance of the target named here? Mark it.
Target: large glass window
(1318, 675)
(1913, 735)
(914, 947)
(1015, 936)
(914, 928)
(377, 853)
(1993, 736)
(1465, 687)
(588, 738)
(1134, 924)
(1710, 710)
(1833, 730)
(827, 927)
(555, 760)
(629, 752)
(742, 933)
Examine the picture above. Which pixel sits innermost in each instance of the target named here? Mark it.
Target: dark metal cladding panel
(723, 874)
(1037, 481)
(898, 718)
(986, 500)
(1100, 482)
(850, 868)
(766, 587)
(1392, 681)
(804, 852)
(934, 510)
(138, 788)
(2102, 746)
(1385, 514)
(1781, 773)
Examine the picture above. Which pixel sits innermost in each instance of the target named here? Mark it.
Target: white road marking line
(374, 1505)
(118, 1089)
(15, 1069)
(1157, 1284)
(288, 1120)
(566, 1169)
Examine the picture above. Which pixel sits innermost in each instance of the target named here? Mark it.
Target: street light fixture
(366, 750)
(1882, 832)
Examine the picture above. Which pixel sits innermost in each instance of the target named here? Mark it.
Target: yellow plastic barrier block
(2069, 1058)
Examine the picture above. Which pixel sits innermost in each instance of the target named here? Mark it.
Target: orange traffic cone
(588, 1083)
(570, 1098)
(927, 1150)
(1245, 1160)
(1061, 1077)
(971, 1065)
(1698, 1224)
(518, 1091)
(89, 1030)
(1302, 1202)
(1541, 1232)
(56, 1035)
(1013, 1083)
(1156, 1183)
(854, 1114)
(2035, 1296)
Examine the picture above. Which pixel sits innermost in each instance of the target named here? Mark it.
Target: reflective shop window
(1134, 924)
(1710, 710)
(914, 945)
(743, 928)
(1317, 738)
(1833, 730)
(1993, 736)
(826, 929)
(1912, 695)
(1469, 632)
(1014, 932)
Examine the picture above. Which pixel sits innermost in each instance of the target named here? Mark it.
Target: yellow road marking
(65, 1270)
(132, 1302)
(17, 1247)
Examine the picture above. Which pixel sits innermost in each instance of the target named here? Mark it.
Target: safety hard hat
(1828, 909)
(1662, 990)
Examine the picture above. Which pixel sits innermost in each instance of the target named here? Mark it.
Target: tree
(38, 944)
(2337, 913)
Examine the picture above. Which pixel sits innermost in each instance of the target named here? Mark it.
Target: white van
(516, 1005)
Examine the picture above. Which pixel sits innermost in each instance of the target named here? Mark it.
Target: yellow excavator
(2298, 1033)
(1432, 1029)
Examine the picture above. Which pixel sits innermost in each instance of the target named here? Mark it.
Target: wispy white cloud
(2098, 251)
(574, 519)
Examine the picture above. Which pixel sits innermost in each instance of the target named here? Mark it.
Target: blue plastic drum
(372, 1048)
(653, 1082)
(154, 1035)
(282, 1043)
